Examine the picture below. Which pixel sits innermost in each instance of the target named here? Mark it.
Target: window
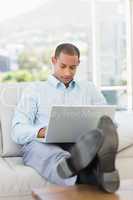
(100, 28)
(110, 36)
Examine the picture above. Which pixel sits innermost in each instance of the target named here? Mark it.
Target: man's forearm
(22, 133)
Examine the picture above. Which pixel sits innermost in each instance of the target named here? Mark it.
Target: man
(92, 158)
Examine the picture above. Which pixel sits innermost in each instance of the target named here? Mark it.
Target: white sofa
(17, 180)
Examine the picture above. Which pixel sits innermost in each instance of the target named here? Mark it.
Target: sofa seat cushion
(17, 179)
(124, 121)
(124, 162)
(125, 167)
(126, 153)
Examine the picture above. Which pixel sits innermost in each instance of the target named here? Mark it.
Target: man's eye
(73, 67)
(62, 66)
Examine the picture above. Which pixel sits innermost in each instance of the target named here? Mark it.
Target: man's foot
(82, 153)
(107, 175)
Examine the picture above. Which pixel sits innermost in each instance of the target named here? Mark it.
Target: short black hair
(67, 48)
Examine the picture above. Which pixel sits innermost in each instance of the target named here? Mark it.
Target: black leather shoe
(107, 175)
(86, 176)
(82, 153)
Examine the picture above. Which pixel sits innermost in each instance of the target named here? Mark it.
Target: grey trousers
(44, 158)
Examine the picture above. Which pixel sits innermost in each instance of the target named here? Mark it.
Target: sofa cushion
(17, 179)
(124, 121)
(9, 96)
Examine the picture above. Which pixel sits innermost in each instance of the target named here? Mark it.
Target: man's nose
(67, 72)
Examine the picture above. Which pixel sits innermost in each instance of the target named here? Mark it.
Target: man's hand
(41, 133)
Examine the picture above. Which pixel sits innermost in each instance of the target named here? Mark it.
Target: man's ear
(53, 59)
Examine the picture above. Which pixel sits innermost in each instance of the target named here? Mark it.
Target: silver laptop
(67, 123)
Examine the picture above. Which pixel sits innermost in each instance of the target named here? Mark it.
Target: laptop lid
(67, 123)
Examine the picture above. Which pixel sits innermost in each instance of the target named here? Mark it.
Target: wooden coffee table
(83, 192)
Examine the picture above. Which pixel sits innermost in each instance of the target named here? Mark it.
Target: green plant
(25, 75)
(8, 77)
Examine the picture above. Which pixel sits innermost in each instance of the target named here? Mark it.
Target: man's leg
(60, 166)
(82, 153)
(44, 158)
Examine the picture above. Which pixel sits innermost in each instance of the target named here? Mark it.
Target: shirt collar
(56, 83)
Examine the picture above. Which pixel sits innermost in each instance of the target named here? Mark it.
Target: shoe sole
(108, 175)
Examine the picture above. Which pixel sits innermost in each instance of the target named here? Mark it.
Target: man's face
(65, 67)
